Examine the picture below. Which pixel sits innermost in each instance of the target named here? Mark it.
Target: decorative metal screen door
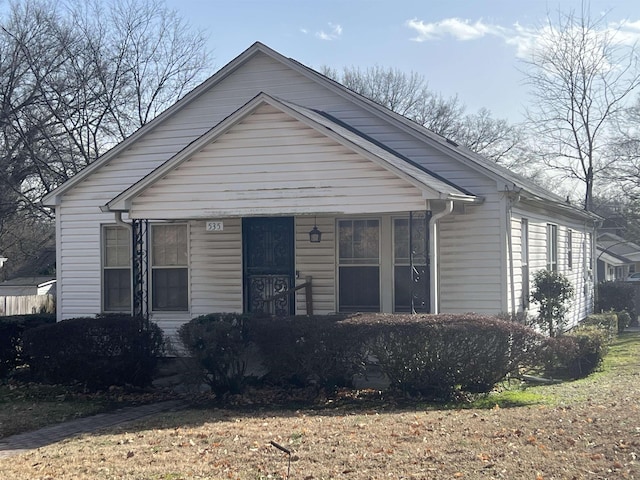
(268, 253)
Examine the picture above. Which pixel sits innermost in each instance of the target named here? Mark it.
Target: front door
(268, 258)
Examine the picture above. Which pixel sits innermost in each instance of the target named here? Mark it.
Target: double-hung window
(359, 265)
(169, 267)
(524, 261)
(569, 249)
(116, 269)
(552, 247)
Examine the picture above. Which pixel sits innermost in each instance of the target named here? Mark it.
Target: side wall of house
(472, 259)
(579, 272)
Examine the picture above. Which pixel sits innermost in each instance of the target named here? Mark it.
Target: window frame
(104, 267)
(352, 265)
(524, 262)
(154, 267)
(552, 247)
(570, 249)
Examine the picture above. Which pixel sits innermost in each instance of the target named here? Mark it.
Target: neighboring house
(216, 205)
(626, 252)
(2, 260)
(21, 286)
(612, 266)
(32, 287)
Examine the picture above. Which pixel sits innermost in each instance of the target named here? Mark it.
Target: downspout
(122, 223)
(434, 267)
(129, 227)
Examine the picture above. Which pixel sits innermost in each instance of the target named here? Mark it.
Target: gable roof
(432, 185)
(614, 244)
(511, 180)
(612, 258)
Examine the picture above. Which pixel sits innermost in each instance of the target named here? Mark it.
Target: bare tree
(76, 78)
(409, 95)
(580, 74)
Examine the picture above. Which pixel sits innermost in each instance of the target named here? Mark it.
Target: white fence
(26, 304)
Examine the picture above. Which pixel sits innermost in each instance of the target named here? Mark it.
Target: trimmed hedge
(97, 352)
(624, 320)
(577, 353)
(219, 342)
(436, 355)
(325, 351)
(432, 355)
(617, 296)
(12, 329)
(607, 322)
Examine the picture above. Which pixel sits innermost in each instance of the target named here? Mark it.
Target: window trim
(552, 247)
(570, 249)
(339, 265)
(524, 262)
(103, 267)
(153, 267)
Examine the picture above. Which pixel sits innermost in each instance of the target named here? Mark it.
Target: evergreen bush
(97, 352)
(617, 296)
(219, 343)
(12, 329)
(552, 291)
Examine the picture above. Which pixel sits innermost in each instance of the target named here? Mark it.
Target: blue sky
(464, 47)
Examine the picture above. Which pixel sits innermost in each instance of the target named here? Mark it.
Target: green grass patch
(25, 407)
(624, 352)
(517, 397)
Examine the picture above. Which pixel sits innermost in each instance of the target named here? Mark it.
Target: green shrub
(624, 320)
(97, 352)
(607, 322)
(325, 351)
(436, 355)
(552, 291)
(617, 296)
(577, 353)
(12, 329)
(219, 342)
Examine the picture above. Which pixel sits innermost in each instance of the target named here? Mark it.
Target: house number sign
(215, 226)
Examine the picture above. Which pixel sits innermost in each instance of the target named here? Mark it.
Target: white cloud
(334, 33)
(455, 27)
(524, 39)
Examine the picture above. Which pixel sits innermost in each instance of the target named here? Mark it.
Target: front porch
(365, 263)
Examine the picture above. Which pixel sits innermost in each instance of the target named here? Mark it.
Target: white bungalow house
(270, 174)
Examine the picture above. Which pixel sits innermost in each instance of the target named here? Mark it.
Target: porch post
(140, 239)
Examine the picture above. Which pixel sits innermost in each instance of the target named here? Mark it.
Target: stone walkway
(22, 442)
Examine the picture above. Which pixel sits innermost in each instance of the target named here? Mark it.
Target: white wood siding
(216, 268)
(272, 164)
(580, 275)
(472, 260)
(318, 261)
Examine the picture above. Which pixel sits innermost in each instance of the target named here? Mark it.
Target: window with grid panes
(169, 268)
(116, 269)
(359, 265)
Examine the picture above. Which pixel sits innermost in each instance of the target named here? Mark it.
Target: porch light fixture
(315, 235)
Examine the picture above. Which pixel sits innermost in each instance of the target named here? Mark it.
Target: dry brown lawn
(589, 429)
